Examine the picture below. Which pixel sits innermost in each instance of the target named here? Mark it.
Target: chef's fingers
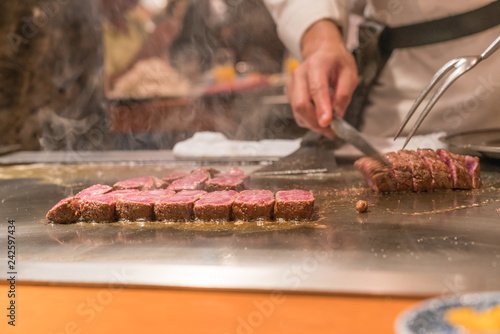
(346, 80)
(319, 89)
(304, 110)
(298, 95)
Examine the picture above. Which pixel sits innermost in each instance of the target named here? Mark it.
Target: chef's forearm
(322, 34)
(294, 17)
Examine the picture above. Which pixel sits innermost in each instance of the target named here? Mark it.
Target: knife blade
(352, 136)
(315, 155)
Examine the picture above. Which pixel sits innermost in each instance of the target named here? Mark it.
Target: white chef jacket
(471, 103)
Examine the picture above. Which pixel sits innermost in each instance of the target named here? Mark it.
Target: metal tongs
(461, 66)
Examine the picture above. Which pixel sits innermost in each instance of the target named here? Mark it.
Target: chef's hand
(327, 64)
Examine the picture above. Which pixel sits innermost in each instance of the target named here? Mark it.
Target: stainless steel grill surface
(406, 244)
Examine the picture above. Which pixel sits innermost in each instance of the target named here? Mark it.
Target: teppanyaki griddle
(407, 244)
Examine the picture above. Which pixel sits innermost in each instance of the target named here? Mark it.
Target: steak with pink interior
(64, 212)
(472, 164)
(379, 177)
(421, 173)
(168, 179)
(215, 206)
(139, 206)
(429, 170)
(134, 183)
(234, 171)
(193, 181)
(88, 192)
(140, 183)
(457, 165)
(294, 204)
(154, 183)
(225, 182)
(101, 208)
(440, 173)
(178, 207)
(211, 172)
(253, 205)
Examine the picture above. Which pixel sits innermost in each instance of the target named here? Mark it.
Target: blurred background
(139, 74)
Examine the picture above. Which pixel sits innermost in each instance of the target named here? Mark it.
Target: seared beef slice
(194, 181)
(141, 183)
(472, 164)
(168, 179)
(139, 206)
(100, 208)
(294, 205)
(402, 171)
(215, 206)
(135, 183)
(428, 170)
(178, 207)
(89, 192)
(233, 179)
(440, 173)
(253, 205)
(378, 176)
(458, 168)
(421, 173)
(64, 212)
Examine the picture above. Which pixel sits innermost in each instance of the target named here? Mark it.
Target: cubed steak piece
(141, 183)
(101, 208)
(169, 178)
(378, 176)
(139, 206)
(215, 206)
(458, 166)
(89, 192)
(154, 183)
(402, 172)
(234, 171)
(134, 183)
(233, 179)
(294, 204)
(253, 205)
(178, 207)
(225, 182)
(440, 173)
(211, 172)
(193, 181)
(421, 174)
(159, 193)
(64, 212)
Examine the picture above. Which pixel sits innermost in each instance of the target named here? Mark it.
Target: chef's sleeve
(294, 17)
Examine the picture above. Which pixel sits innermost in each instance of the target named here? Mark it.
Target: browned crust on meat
(377, 175)
(296, 210)
(421, 173)
(175, 212)
(402, 172)
(440, 172)
(252, 211)
(213, 212)
(64, 212)
(96, 211)
(131, 211)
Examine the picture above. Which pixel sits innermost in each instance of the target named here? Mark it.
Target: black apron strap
(441, 30)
